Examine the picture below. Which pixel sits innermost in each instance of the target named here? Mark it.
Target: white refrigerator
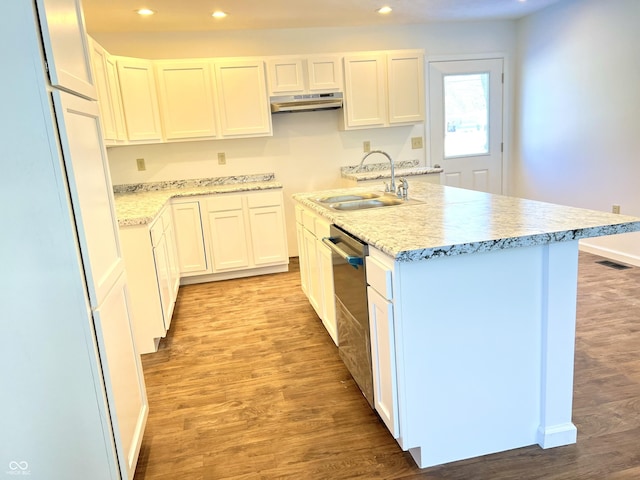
(73, 403)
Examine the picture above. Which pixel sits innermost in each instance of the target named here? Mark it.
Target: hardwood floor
(248, 385)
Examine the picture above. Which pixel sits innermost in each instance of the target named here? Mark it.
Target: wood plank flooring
(248, 385)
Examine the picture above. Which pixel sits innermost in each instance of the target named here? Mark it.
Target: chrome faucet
(403, 189)
(392, 187)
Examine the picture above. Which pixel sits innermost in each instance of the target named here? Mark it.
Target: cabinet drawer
(224, 202)
(379, 277)
(267, 199)
(322, 228)
(309, 221)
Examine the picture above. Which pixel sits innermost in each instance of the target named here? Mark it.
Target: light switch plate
(140, 164)
(416, 142)
(222, 158)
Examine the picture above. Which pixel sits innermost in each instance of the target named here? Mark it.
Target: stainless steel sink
(362, 201)
(371, 203)
(348, 198)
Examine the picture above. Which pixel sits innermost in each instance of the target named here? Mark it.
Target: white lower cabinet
(124, 379)
(316, 267)
(194, 240)
(227, 232)
(192, 258)
(152, 269)
(230, 235)
(381, 327)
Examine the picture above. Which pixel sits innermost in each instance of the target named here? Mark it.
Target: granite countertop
(377, 171)
(455, 221)
(139, 204)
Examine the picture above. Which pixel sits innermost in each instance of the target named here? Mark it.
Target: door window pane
(466, 113)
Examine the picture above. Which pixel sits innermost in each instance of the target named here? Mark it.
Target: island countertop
(453, 221)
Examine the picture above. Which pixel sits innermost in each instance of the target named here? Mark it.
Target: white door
(465, 114)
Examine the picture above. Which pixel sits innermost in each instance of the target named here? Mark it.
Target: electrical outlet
(140, 164)
(416, 142)
(366, 146)
(222, 158)
(615, 208)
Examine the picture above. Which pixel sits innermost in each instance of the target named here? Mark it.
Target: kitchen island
(473, 337)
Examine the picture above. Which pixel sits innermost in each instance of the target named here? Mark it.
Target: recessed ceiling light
(384, 10)
(145, 11)
(218, 14)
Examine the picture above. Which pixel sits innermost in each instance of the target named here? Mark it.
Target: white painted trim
(557, 435)
(251, 272)
(617, 255)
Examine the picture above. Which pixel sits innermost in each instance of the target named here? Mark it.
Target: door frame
(507, 106)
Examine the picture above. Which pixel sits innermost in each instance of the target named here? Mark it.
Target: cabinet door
(107, 117)
(139, 99)
(314, 287)
(185, 94)
(285, 76)
(123, 376)
(113, 83)
(243, 105)
(87, 169)
(267, 228)
(66, 46)
(172, 257)
(405, 73)
(383, 360)
(365, 87)
(227, 233)
(325, 74)
(302, 259)
(189, 236)
(163, 278)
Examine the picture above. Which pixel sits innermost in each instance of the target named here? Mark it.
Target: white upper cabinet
(139, 98)
(111, 67)
(108, 92)
(301, 75)
(243, 105)
(325, 74)
(186, 99)
(286, 75)
(405, 74)
(66, 46)
(384, 89)
(365, 90)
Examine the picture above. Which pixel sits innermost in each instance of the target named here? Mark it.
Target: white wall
(306, 150)
(578, 112)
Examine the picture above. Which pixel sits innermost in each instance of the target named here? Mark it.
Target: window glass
(466, 112)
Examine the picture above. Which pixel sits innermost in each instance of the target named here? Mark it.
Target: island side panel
(558, 344)
(470, 343)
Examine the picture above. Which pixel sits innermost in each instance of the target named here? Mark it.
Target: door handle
(352, 260)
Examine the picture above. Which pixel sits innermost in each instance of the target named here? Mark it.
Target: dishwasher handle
(352, 260)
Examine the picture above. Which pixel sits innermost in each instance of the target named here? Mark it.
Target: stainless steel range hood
(306, 103)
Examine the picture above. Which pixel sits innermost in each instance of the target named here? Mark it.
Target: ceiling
(195, 15)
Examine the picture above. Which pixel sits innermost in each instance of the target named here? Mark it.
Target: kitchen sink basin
(347, 203)
(370, 203)
(348, 198)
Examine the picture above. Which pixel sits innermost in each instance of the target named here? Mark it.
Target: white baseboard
(609, 253)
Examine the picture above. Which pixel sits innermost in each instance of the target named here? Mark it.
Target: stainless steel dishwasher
(350, 283)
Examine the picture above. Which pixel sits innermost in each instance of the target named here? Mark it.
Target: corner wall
(578, 112)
